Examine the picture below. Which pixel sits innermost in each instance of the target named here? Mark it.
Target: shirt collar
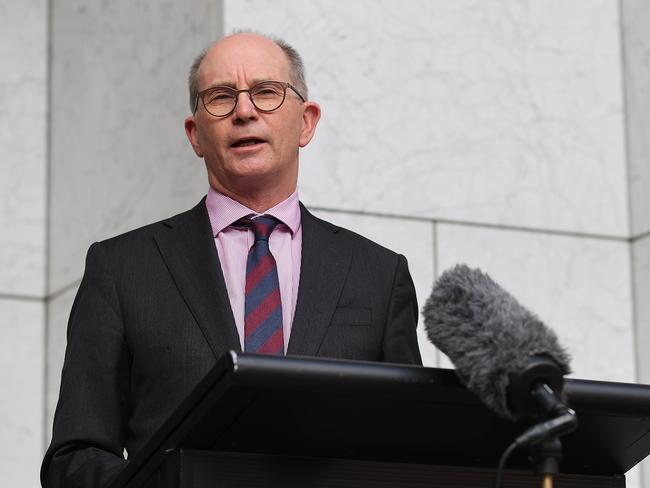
(223, 211)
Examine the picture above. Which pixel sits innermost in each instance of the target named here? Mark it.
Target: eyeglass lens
(266, 96)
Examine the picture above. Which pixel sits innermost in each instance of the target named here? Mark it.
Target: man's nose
(245, 109)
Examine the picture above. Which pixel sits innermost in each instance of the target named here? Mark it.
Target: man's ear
(310, 118)
(192, 136)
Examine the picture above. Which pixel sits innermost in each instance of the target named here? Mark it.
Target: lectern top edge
(388, 412)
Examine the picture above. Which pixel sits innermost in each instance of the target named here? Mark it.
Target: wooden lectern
(261, 421)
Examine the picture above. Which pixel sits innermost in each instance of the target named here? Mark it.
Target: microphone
(502, 352)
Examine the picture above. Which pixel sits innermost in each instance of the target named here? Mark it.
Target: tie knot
(263, 226)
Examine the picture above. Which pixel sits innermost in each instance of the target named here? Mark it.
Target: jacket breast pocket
(351, 316)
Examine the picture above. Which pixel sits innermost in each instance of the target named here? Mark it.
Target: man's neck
(258, 201)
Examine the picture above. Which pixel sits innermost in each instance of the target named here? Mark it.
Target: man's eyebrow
(231, 84)
(255, 81)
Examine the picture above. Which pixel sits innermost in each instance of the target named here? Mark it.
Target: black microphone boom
(502, 352)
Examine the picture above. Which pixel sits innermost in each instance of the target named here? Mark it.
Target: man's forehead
(249, 56)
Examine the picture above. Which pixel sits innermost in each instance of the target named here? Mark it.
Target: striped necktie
(263, 308)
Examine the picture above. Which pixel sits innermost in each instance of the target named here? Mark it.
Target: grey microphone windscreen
(487, 334)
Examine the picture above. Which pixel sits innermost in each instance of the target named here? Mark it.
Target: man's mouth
(248, 141)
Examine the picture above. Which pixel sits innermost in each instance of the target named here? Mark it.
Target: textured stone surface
(580, 287)
(636, 71)
(641, 260)
(499, 111)
(58, 312)
(23, 131)
(22, 370)
(120, 158)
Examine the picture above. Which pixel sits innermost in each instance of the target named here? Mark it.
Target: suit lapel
(324, 266)
(187, 246)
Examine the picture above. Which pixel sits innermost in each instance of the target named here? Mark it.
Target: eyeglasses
(266, 96)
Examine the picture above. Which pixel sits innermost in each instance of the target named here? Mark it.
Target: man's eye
(267, 91)
(220, 97)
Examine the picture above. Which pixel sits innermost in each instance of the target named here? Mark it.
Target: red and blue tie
(263, 316)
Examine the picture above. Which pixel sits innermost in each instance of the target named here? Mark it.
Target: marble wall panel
(21, 403)
(641, 266)
(413, 239)
(505, 112)
(23, 132)
(634, 477)
(580, 287)
(58, 312)
(120, 158)
(636, 70)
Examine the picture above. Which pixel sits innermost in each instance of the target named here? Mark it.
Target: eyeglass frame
(236, 93)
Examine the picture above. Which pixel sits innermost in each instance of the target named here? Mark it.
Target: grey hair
(296, 67)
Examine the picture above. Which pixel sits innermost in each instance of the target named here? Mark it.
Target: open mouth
(246, 142)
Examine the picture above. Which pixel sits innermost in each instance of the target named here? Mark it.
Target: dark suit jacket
(152, 317)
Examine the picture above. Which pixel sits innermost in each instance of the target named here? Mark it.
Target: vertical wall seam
(48, 216)
(633, 314)
(635, 335)
(626, 134)
(629, 196)
(628, 183)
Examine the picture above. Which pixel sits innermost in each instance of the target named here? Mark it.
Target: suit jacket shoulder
(348, 235)
(347, 280)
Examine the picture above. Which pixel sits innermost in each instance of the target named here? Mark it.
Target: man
(159, 305)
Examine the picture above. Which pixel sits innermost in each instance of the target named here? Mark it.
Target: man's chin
(253, 169)
(252, 175)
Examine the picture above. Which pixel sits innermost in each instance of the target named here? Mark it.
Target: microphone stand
(532, 393)
(543, 437)
(546, 448)
(546, 456)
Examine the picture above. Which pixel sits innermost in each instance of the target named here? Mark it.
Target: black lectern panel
(383, 413)
(186, 468)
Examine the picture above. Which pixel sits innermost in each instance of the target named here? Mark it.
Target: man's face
(250, 151)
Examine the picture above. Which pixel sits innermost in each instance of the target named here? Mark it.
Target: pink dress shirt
(233, 245)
